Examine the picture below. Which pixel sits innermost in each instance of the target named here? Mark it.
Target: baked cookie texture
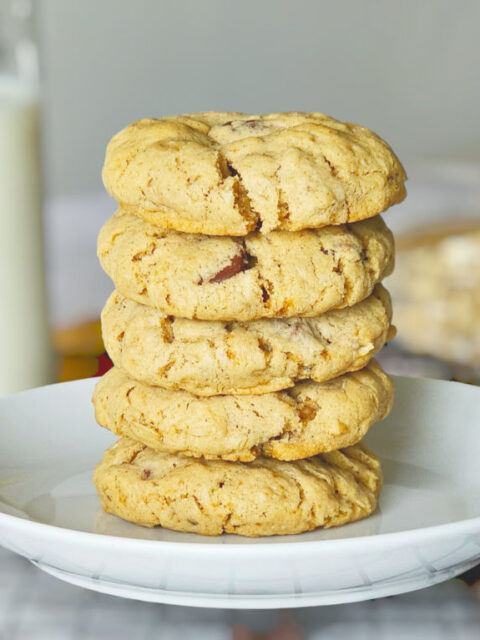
(259, 498)
(281, 274)
(232, 173)
(247, 255)
(209, 357)
(309, 419)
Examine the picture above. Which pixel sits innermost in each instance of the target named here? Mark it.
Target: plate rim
(239, 600)
(385, 540)
(380, 539)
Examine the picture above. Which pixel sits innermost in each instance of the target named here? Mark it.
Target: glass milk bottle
(25, 352)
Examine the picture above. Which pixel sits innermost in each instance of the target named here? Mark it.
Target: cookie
(219, 278)
(208, 357)
(437, 293)
(232, 173)
(308, 419)
(260, 498)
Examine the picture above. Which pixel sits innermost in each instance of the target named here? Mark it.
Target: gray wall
(408, 69)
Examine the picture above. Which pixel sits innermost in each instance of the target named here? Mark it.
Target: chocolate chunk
(240, 262)
(231, 170)
(249, 261)
(235, 266)
(265, 294)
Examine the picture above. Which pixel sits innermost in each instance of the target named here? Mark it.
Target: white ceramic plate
(426, 530)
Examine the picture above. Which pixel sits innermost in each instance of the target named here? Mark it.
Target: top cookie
(230, 173)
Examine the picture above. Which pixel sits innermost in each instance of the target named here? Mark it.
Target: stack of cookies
(247, 256)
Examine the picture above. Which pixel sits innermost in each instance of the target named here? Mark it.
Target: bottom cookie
(260, 498)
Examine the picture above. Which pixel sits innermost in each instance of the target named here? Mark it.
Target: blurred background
(73, 73)
(407, 70)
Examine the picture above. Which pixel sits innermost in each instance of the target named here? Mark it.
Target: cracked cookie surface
(213, 357)
(308, 419)
(281, 274)
(231, 173)
(260, 498)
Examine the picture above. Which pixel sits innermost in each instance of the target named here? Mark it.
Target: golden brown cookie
(260, 498)
(309, 419)
(209, 358)
(231, 173)
(218, 278)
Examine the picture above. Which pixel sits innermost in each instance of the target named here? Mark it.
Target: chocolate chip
(231, 170)
(240, 262)
(249, 261)
(265, 294)
(259, 224)
(235, 266)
